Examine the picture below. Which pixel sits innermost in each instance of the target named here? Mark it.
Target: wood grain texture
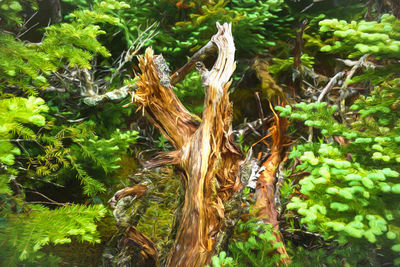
(205, 152)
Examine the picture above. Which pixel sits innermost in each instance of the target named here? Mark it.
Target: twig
(117, 94)
(87, 89)
(207, 50)
(44, 35)
(48, 182)
(355, 65)
(307, 7)
(301, 231)
(299, 45)
(30, 28)
(45, 202)
(46, 197)
(280, 180)
(254, 125)
(343, 89)
(326, 89)
(297, 51)
(17, 140)
(134, 48)
(55, 89)
(329, 86)
(19, 35)
(78, 120)
(261, 112)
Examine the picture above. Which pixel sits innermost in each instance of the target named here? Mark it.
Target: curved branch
(205, 150)
(202, 161)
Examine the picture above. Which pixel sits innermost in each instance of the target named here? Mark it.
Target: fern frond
(25, 234)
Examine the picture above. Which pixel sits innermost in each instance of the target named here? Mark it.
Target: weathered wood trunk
(265, 191)
(205, 152)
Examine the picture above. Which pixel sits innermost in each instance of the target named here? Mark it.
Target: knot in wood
(163, 71)
(203, 71)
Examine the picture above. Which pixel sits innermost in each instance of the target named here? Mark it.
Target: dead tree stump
(204, 151)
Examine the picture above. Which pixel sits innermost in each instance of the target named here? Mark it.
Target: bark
(265, 206)
(114, 95)
(205, 152)
(146, 248)
(128, 247)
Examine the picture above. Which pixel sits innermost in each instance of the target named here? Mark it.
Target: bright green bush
(25, 233)
(364, 37)
(44, 141)
(15, 113)
(9, 12)
(26, 66)
(379, 40)
(252, 245)
(352, 188)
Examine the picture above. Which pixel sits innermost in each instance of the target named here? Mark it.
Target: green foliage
(34, 226)
(77, 41)
(191, 92)
(9, 12)
(104, 152)
(377, 39)
(57, 142)
(257, 249)
(340, 256)
(352, 199)
(77, 47)
(157, 214)
(90, 158)
(23, 235)
(253, 23)
(102, 12)
(15, 113)
(251, 20)
(221, 260)
(364, 37)
(22, 66)
(26, 66)
(281, 65)
(379, 112)
(45, 146)
(316, 115)
(252, 245)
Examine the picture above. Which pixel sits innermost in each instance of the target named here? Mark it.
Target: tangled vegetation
(320, 78)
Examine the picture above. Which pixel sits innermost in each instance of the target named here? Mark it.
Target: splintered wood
(204, 151)
(202, 160)
(265, 207)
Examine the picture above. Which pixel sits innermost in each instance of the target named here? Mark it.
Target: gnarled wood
(156, 97)
(202, 157)
(146, 248)
(205, 152)
(265, 188)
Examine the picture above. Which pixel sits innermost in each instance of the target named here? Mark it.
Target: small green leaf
(396, 188)
(391, 235)
(339, 206)
(367, 183)
(396, 248)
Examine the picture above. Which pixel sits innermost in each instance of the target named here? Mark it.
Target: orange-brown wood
(205, 152)
(265, 207)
